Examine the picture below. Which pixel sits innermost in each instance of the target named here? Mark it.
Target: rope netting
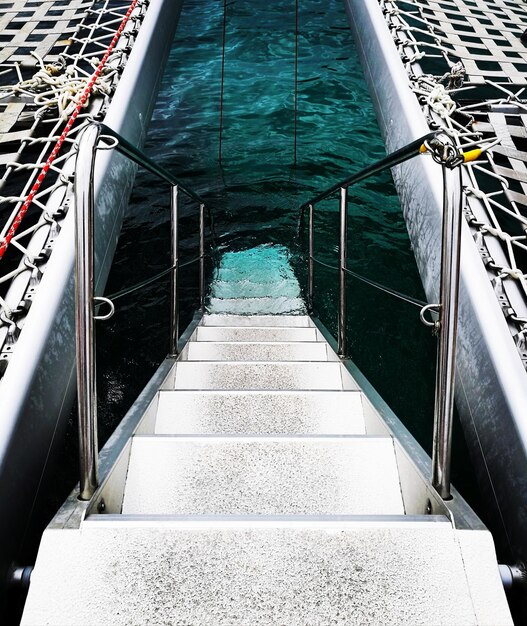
(46, 99)
(467, 64)
(67, 89)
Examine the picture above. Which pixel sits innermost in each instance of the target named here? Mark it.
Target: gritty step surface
(239, 475)
(240, 333)
(235, 576)
(257, 351)
(250, 375)
(260, 412)
(282, 321)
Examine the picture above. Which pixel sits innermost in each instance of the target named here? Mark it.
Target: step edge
(259, 343)
(263, 521)
(284, 392)
(261, 437)
(334, 364)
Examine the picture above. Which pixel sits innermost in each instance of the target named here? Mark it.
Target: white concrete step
(257, 306)
(251, 375)
(263, 575)
(264, 333)
(262, 475)
(281, 321)
(260, 412)
(258, 351)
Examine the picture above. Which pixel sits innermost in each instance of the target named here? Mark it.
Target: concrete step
(258, 351)
(250, 375)
(260, 412)
(267, 574)
(279, 321)
(279, 305)
(264, 333)
(262, 475)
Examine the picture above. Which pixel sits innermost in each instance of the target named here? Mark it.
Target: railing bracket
(98, 300)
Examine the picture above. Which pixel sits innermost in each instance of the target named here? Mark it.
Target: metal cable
(222, 77)
(397, 294)
(372, 283)
(152, 279)
(295, 114)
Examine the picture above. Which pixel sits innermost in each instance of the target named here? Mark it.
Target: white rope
(58, 86)
(440, 102)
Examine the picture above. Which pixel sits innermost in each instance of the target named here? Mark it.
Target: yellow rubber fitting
(471, 155)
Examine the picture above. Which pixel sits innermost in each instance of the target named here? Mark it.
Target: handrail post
(311, 261)
(202, 256)
(174, 294)
(447, 339)
(84, 313)
(343, 254)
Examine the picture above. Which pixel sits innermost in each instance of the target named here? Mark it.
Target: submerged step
(251, 375)
(281, 321)
(264, 333)
(257, 351)
(260, 412)
(239, 575)
(257, 306)
(263, 475)
(262, 275)
(248, 288)
(267, 263)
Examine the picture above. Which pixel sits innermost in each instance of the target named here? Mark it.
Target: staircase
(257, 280)
(261, 487)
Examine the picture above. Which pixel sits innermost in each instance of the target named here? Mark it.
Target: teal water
(256, 190)
(259, 280)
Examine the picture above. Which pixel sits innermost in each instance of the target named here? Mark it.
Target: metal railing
(91, 140)
(445, 153)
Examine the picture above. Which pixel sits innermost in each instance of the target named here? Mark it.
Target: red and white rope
(56, 149)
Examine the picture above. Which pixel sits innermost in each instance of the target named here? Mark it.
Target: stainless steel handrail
(391, 160)
(343, 264)
(138, 156)
(89, 142)
(446, 327)
(84, 322)
(447, 331)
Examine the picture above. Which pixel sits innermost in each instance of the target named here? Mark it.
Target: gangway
(261, 486)
(257, 479)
